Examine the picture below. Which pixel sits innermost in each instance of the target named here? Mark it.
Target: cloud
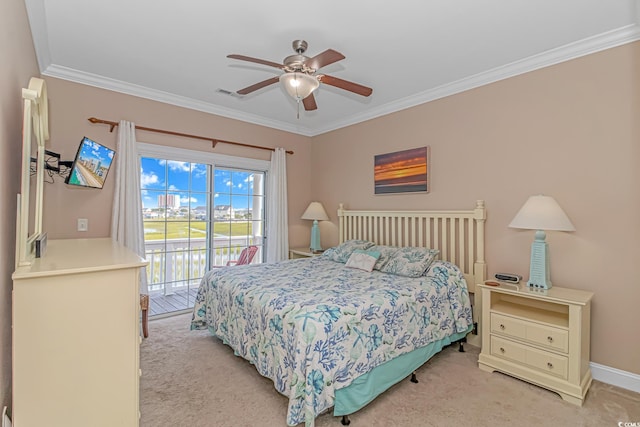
(199, 170)
(179, 166)
(147, 179)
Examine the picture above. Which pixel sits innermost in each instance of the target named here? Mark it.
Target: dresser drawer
(550, 363)
(542, 335)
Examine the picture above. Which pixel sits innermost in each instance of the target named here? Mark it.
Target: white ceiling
(408, 51)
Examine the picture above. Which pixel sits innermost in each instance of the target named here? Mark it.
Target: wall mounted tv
(91, 165)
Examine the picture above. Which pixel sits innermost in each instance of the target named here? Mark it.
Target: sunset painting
(402, 171)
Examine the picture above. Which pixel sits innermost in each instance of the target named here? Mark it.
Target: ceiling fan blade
(346, 85)
(310, 103)
(327, 57)
(256, 60)
(247, 90)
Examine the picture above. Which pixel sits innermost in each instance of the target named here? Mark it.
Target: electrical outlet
(83, 224)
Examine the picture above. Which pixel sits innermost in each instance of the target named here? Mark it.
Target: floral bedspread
(313, 325)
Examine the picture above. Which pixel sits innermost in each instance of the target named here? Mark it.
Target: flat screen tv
(91, 165)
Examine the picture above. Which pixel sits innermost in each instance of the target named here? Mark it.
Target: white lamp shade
(542, 213)
(299, 85)
(315, 212)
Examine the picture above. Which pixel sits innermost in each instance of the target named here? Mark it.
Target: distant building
(150, 214)
(171, 201)
(222, 211)
(199, 213)
(242, 213)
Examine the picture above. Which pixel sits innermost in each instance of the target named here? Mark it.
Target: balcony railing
(179, 264)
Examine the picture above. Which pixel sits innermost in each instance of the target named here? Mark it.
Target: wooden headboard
(459, 235)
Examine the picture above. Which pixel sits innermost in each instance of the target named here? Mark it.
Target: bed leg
(345, 420)
(414, 379)
(460, 343)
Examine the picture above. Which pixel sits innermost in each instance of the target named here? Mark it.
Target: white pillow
(363, 260)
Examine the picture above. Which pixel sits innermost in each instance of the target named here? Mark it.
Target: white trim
(617, 377)
(568, 52)
(609, 39)
(39, 32)
(114, 85)
(195, 156)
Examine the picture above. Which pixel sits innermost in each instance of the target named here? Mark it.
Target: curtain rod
(214, 141)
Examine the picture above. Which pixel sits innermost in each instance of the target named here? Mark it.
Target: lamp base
(539, 276)
(315, 237)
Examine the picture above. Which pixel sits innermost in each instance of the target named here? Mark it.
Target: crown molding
(607, 40)
(39, 31)
(102, 82)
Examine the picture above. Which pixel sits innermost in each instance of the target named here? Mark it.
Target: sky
(92, 150)
(189, 181)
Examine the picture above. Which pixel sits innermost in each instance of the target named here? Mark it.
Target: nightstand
(540, 336)
(302, 253)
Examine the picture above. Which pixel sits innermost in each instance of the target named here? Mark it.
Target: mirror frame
(35, 124)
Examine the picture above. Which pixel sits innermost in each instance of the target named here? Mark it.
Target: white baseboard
(616, 377)
(6, 422)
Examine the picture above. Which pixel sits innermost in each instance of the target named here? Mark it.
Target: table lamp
(541, 213)
(315, 212)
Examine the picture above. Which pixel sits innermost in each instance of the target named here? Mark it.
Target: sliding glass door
(238, 215)
(197, 216)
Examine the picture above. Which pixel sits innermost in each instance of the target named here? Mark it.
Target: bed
(332, 334)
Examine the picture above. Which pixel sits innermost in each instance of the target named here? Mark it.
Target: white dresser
(76, 336)
(540, 336)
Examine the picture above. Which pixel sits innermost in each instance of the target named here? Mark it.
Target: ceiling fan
(299, 78)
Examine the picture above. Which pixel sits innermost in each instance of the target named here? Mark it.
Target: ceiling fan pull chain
(298, 117)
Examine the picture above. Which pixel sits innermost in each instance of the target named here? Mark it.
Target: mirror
(35, 132)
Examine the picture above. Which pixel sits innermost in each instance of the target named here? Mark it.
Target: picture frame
(405, 171)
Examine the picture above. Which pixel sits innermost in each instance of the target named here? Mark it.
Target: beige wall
(19, 64)
(72, 104)
(570, 131)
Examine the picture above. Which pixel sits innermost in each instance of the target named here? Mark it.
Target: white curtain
(278, 224)
(126, 218)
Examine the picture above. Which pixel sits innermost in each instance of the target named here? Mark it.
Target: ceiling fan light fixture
(299, 85)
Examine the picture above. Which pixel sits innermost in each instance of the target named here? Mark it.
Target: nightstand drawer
(550, 363)
(545, 336)
(507, 350)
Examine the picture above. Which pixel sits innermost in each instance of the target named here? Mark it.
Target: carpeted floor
(191, 379)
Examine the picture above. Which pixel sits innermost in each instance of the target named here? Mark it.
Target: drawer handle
(502, 326)
(549, 365)
(550, 339)
(501, 349)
